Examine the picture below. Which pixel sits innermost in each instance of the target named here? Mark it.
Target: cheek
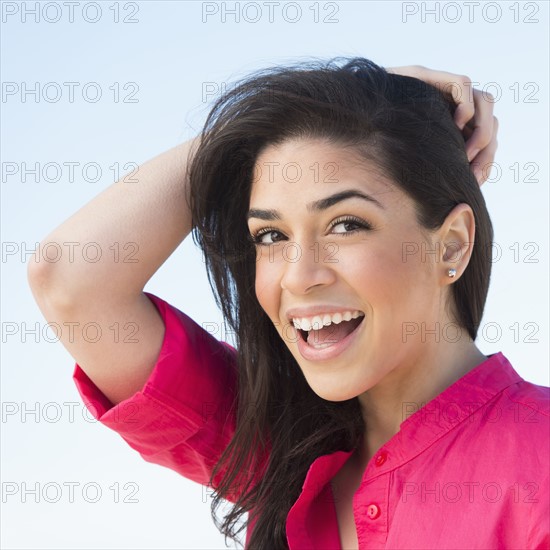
(384, 278)
(377, 268)
(266, 287)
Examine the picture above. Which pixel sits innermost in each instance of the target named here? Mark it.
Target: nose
(305, 267)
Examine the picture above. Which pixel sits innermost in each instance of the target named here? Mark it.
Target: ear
(456, 236)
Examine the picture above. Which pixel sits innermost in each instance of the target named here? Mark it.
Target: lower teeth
(321, 346)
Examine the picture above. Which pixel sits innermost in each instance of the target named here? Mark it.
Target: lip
(312, 354)
(311, 311)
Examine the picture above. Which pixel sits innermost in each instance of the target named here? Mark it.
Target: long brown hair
(406, 128)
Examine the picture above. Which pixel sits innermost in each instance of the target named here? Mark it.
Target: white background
(172, 52)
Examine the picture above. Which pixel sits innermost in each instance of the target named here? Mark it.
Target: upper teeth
(318, 321)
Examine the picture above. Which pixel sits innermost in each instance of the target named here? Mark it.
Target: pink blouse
(469, 469)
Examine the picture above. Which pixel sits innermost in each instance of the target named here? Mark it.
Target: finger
(467, 131)
(463, 113)
(482, 163)
(459, 87)
(482, 124)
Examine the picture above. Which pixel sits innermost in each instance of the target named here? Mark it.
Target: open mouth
(331, 334)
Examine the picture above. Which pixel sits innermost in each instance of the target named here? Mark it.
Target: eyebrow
(315, 206)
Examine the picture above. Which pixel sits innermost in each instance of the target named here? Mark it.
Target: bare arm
(152, 213)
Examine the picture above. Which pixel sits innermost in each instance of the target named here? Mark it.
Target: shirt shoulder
(530, 395)
(523, 409)
(183, 418)
(520, 413)
(509, 438)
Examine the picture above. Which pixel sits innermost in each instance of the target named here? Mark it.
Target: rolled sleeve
(183, 418)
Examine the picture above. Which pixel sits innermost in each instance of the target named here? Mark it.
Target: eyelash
(255, 238)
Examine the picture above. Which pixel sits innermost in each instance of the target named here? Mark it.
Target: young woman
(349, 247)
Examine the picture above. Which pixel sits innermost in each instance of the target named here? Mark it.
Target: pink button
(373, 511)
(381, 458)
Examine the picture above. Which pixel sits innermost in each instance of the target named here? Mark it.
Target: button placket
(371, 509)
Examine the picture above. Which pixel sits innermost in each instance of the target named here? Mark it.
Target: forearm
(135, 226)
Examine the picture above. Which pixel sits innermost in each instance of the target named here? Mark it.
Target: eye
(347, 221)
(257, 238)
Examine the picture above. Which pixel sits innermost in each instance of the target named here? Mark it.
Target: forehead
(312, 167)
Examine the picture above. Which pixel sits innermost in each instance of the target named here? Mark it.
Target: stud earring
(452, 272)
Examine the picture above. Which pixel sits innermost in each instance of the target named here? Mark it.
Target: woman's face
(342, 255)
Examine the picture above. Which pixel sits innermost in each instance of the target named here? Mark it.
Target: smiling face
(340, 255)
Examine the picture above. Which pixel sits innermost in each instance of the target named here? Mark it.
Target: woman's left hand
(473, 115)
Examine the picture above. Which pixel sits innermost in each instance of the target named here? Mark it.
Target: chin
(328, 389)
(335, 396)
